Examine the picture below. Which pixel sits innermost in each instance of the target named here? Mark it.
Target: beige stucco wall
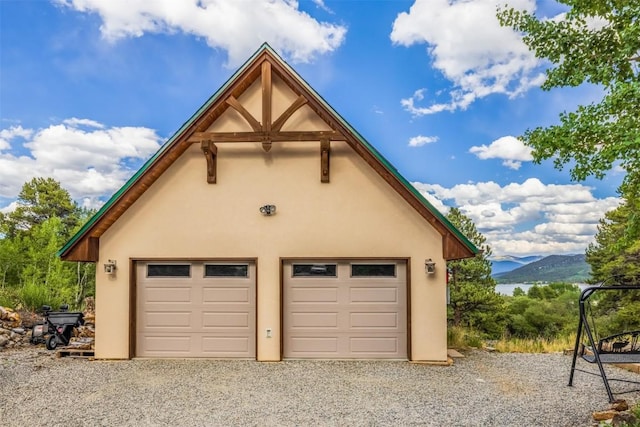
(357, 214)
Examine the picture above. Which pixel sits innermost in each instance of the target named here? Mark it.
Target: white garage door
(345, 310)
(196, 309)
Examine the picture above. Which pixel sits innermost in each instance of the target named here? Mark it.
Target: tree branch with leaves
(593, 43)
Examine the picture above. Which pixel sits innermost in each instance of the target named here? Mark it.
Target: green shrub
(8, 298)
(33, 296)
(461, 337)
(635, 410)
(454, 337)
(546, 311)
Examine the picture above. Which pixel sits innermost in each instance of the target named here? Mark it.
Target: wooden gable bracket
(211, 154)
(233, 102)
(267, 131)
(325, 149)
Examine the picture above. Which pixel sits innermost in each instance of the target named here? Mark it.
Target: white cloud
(74, 121)
(6, 135)
(470, 48)
(528, 218)
(88, 163)
(512, 164)
(238, 27)
(420, 140)
(320, 4)
(524, 244)
(512, 150)
(9, 208)
(436, 202)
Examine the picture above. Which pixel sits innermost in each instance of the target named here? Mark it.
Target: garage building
(268, 228)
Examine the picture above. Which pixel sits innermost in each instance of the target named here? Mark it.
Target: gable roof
(84, 245)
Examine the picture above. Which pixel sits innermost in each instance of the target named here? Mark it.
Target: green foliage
(46, 278)
(474, 302)
(623, 319)
(615, 255)
(615, 259)
(8, 298)
(596, 43)
(518, 292)
(39, 200)
(10, 262)
(615, 313)
(553, 290)
(635, 410)
(546, 311)
(560, 288)
(41, 244)
(31, 274)
(460, 337)
(33, 296)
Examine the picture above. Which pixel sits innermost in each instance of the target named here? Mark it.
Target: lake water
(508, 288)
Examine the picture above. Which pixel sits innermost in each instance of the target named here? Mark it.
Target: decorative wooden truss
(267, 131)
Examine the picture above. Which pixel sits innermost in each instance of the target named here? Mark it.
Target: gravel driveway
(481, 389)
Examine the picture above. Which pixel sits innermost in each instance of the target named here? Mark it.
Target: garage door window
(226, 270)
(169, 270)
(373, 270)
(314, 270)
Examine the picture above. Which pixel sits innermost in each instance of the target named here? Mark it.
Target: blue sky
(89, 89)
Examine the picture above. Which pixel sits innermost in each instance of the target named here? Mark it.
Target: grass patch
(459, 337)
(535, 345)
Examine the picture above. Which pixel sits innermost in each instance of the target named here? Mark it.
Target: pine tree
(473, 300)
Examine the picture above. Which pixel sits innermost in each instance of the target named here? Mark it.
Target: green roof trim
(265, 47)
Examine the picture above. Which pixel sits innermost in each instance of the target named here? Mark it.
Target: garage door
(196, 309)
(345, 310)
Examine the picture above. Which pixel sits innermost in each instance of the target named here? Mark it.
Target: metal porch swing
(620, 348)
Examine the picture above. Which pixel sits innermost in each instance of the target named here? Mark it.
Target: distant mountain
(553, 268)
(506, 263)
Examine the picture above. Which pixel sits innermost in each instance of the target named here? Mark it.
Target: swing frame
(616, 349)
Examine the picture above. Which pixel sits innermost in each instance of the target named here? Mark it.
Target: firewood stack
(11, 332)
(83, 336)
(9, 317)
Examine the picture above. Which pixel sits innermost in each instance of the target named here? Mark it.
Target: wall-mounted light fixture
(268, 210)
(429, 266)
(110, 266)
